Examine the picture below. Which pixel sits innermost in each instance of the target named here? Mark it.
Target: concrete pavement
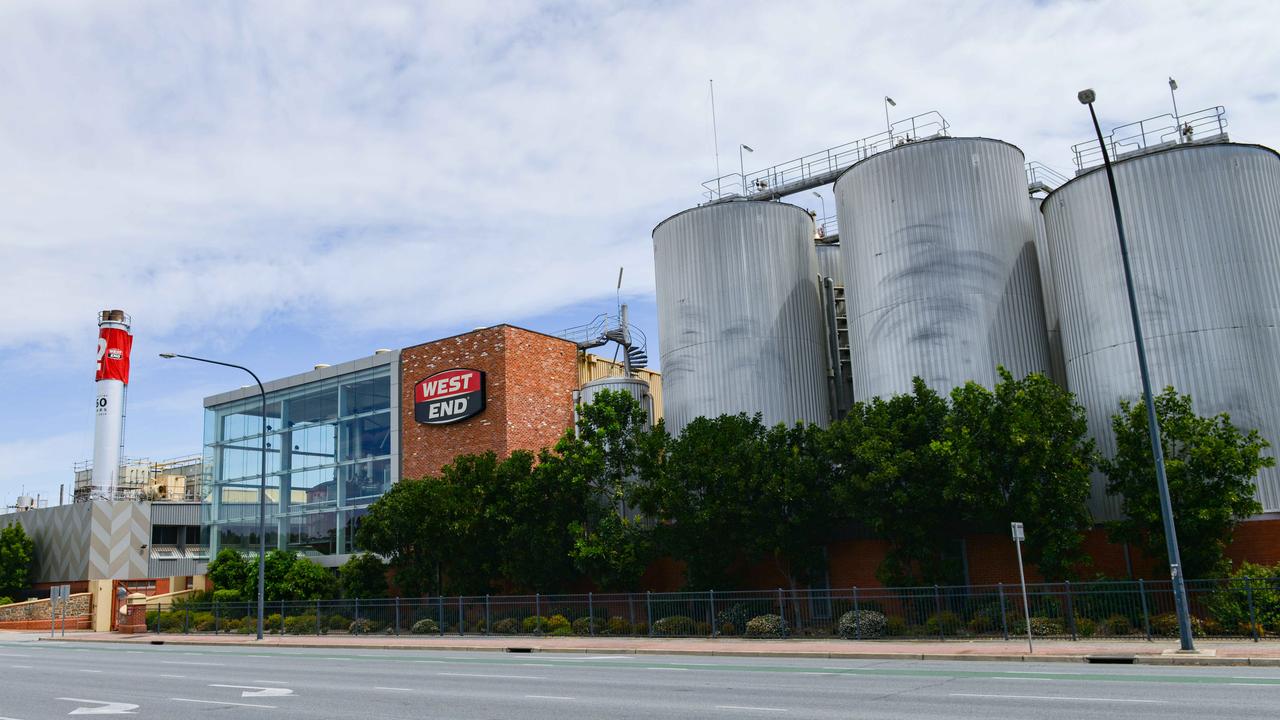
(47, 680)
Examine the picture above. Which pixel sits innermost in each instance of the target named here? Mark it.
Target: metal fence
(1236, 608)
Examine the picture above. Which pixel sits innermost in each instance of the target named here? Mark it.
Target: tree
(1021, 452)
(231, 570)
(17, 555)
(795, 515)
(363, 576)
(410, 525)
(1210, 465)
(891, 476)
(307, 580)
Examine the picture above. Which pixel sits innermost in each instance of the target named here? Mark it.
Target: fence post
(281, 617)
(715, 627)
(217, 625)
(537, 613)
(1253, 620)
(397, 615)
(1004, 620)
(1146, 616)
(486, 614)
(937, 603)
(317, 617)
(1071, 612)
(648, 611)
(355, 622)
(440, 614)
(782, 610)
(591, 615)
(631, 611)
(461, 630)
(857, 616)
(186, 620)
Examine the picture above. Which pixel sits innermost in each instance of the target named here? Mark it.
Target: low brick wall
(79, 622)
(39, 610)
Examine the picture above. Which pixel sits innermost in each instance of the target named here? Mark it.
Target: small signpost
(58, 597)
(1018, 537)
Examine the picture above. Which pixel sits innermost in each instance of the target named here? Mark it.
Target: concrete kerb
(1137, 659)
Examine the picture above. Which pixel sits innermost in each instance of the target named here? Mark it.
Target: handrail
(1207, 125)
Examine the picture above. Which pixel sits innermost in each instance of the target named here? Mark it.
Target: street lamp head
(1086, 96)
(890, 101)
(747, 148)
(817, 194)
(168, 356)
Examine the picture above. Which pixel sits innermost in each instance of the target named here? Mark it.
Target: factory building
(339, 436)
(954, 255)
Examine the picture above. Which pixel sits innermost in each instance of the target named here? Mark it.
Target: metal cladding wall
(1203, 224)
(829, 261)
(739, 314)
(1057, 366)
(937, 242)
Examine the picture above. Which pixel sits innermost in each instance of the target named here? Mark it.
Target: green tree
(1021, 452)
(794, 513)
(363, 576)
(307, 580)
(410, 525)
(892, 477)
(231, 570)
(17, 556)
(1210, 465)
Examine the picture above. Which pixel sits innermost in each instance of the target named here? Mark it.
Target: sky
(281, 184)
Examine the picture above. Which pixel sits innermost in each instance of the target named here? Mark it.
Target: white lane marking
(379, 687)
(481, 675)
(611, 657)
(183, 662)
(550, 697)
(105, 707)
(257, 691)
(92, 671)
(173, 676)
(192, 653)
(13, 655)
(664, 668)
(539, 664)
(1057, 697)
(1252, 677)
(814, 672)
(272, 682)
(1270, 684)
(8, 718)
(223, 702)
(21, 667)
(439, 662)
(1030, 672)
(134, 652)
(260, 656)
(748, 707)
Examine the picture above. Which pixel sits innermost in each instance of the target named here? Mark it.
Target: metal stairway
(606, 328)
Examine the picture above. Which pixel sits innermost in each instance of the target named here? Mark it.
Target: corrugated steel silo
(938, 249)
(1203, 225)
(637, 388)
(1057, 366)
(739, 315)
(829, 261)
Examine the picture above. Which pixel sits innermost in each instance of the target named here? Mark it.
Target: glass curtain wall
(329, 456)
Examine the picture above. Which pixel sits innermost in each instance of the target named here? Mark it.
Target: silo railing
(1207, 125)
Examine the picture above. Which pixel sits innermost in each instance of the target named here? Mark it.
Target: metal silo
(829, 261)
(1203, 224)
(739, 316)
(1057, 366)
(637, 388)
(938, 247)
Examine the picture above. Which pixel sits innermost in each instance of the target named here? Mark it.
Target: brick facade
(530, 379)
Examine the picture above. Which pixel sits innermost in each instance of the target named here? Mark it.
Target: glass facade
(330, 452)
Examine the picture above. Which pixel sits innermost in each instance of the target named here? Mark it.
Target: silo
(829, 261)
(739, 316)
(1053, 325)
(1203, 226)
(635, 387)
(938, 249)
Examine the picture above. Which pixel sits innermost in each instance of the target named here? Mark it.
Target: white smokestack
(114, 344)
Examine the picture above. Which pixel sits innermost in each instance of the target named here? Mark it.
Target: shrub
(363, 626)
(300, 625)
(945, 622)
(202, 622)
(1230, 605)
(1086, 627)
(617, 626)
(153, 619)
(767, 626)
(273, 623)
(895, 626)
(6, 600)
(337, 622)
(702, 629)
(477, 627)
(245, 628)
(504, 626)
(866, 624)
(561, 631)
(674, 625)
(736, 615)
(981, 625)
(170, 622)
(226, 596)
(425, 626)
(640, 629)
(533, 624)
(1116, 625)
(1166, 625)
(556, 622)
(728, 629)
(1043, 626)
(584, 626)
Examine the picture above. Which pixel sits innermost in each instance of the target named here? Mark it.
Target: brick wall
(39, 609)
(529, 384)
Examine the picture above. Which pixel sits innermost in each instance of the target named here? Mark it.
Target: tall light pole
(1087, 97)
(823, 201)
(1173, 86)
(888, 126)
(262, 481)
(742, 166)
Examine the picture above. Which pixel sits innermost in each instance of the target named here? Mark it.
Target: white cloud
(225, 167)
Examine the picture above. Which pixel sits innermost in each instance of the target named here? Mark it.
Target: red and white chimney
(114, 344)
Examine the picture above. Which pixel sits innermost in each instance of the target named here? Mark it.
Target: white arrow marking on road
(108, 708)
(256, 691)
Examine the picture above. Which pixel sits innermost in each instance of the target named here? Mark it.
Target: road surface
(40, 680)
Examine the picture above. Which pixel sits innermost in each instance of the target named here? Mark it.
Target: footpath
(1161, 652)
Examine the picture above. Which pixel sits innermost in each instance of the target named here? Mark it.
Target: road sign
(1018, 535)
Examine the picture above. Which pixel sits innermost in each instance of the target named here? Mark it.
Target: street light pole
(888, 126)
(1087, 97)
(262, 483)
(742, 167)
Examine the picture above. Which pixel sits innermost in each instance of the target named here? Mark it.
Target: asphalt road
(46, 680)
